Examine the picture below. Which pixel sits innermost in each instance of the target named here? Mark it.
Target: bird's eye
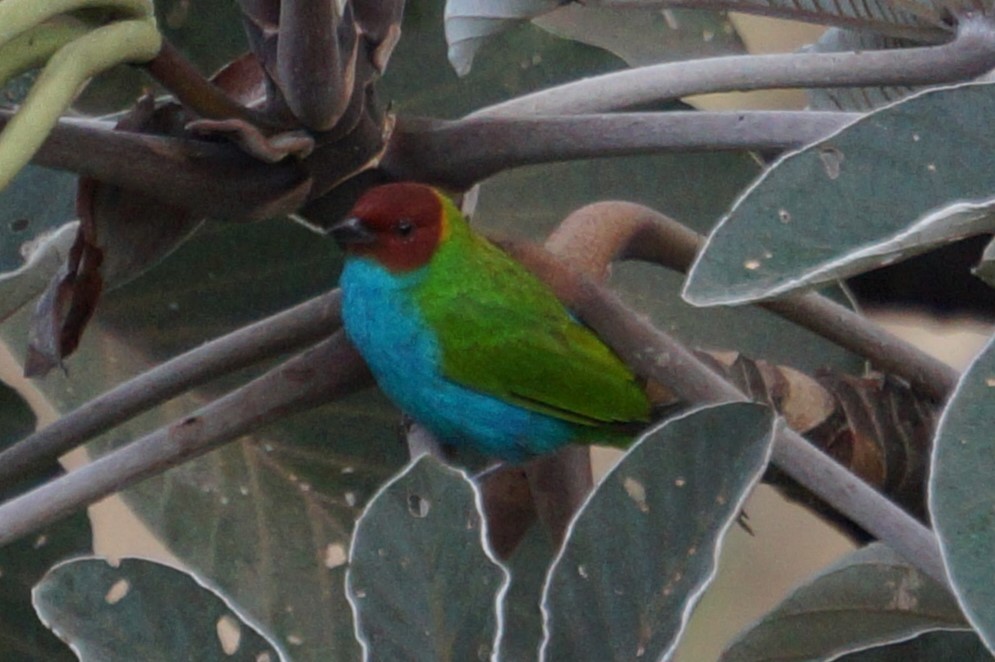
(405, 228)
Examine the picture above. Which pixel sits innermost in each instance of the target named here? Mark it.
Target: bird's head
(397, 225)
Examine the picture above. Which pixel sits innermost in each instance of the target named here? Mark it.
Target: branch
(655, 355)
(624, 230)
(178, 75)
(330, 370)
(971, 54)
(457, 154)
(210, 179)
(316, 60)
(288, 330)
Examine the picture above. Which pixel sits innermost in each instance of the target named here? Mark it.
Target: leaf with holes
(895, 183)
(422, 581)
(870, 598)
(141, 610)
(961, 494)
(628, 594)
(23, 562)
(36, 231)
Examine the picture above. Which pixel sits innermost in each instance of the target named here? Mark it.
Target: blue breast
(382, 321)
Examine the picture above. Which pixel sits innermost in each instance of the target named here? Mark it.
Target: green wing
(504, 333)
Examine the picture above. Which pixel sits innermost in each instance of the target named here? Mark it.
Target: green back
(503, 332)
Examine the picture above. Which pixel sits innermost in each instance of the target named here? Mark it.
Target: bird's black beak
(352, 231)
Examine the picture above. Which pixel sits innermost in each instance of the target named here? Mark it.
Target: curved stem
(461, 153)
(34, 47)
(285, 331)
(612, 230)
(17, 16)
(59, 82)
(971, 54)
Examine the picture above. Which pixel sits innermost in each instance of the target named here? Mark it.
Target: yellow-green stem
(60, 82)
(17, 16)
(33, 48)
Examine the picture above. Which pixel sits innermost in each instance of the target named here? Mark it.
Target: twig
(288, 330)
(886, 352)
(971, 54)
(457, 154)
(624, 230)
(330, 370)
(178, 75)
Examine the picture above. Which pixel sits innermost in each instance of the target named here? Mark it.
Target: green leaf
(36, 202)
(897, 182)
(871, 597)
(627, 592)
(422, 581)
(961, 494)
(22, 563)
(933, 645)
(16, 418)
(141, 610)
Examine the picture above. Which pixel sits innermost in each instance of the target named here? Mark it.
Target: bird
(469, 343)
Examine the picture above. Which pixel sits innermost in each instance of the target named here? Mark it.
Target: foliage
(200, 213)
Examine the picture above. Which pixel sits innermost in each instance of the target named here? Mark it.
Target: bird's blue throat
(382, 319)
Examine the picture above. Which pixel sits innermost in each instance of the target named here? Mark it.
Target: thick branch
(330, 370)
(316, 62)
(291, 329)
(212, 179)
(458, 154)
(971, 54)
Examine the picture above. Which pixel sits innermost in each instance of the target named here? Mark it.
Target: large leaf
(637, 35)
(627, 593)
(869, 598)
(22, 563)
(422, 580)
(36, 202)
(645, 36)
(961, 494)
(895, 183)
(140, 610)
(934, 645)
